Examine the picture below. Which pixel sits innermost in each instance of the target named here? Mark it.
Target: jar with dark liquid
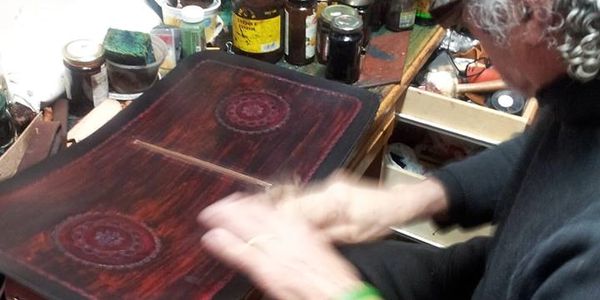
(377, 14)
(300, 31)
(345, 39)
(400, 15)
(86, 81)
(324, 27)
(7, 130)
(258, 30)
(364, 8)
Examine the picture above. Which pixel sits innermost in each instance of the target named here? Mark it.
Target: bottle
(300, 31)
(86, 81)
(400, 15)
(192, 30)
(345, 39)
(324, 27)
(7, 130)
(423, 17)
(377, 14)
(258, 29)
(364, 9)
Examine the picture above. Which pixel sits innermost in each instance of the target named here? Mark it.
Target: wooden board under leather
(113, 217)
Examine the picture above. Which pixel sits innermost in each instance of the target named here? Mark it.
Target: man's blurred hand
(281, 253)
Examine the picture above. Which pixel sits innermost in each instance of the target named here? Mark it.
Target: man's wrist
(417, 201)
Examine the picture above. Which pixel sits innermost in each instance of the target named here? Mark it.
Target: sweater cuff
(455, 196)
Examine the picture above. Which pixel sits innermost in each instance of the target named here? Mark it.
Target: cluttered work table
(105, 224)
(422, 42)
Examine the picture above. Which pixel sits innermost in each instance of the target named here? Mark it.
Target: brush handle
(488, 86)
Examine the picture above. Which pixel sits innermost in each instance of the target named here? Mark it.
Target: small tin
(85, 79)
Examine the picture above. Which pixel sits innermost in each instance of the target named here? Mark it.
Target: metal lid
(337, 10)
(507, 101)
(347, 24)
(357, 3)
(83, 53)
(192, 14)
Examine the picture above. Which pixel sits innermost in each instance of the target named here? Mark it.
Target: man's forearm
(417, 201)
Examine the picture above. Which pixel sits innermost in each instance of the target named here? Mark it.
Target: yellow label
(256, 36)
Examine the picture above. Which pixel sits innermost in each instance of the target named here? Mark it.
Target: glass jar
(300, 31)
(85, 79)
(400, 15)
(345, 39)
(364, 9)
(324, 27)
(257, 27)
(377, 14)
(7, 130)
(192, 30)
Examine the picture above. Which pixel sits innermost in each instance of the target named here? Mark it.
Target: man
(540, 189)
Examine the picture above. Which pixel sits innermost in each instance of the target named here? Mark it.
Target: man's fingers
(247, 257)
(234, 251)
(245, 218)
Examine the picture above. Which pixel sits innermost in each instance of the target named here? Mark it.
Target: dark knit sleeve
(473, 185)
(564, 265)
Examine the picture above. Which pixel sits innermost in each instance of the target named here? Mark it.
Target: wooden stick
(487, 86)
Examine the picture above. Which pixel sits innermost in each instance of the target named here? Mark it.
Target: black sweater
(542, 189)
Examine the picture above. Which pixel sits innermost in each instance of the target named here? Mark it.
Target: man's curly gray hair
(577, 20)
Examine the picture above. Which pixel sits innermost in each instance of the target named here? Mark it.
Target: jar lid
(83, 52)
(337, 10)
(507, 101)
(356, 3)
(347, 24)
(192, 14)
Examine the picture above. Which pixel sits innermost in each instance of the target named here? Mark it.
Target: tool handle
(487, 86)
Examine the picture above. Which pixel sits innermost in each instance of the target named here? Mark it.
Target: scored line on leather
(201, 163)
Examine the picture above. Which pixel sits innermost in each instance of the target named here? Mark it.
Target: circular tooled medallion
(253, 112)
(108, 240)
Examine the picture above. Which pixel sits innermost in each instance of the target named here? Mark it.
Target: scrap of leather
(44, 142)
(384, 60)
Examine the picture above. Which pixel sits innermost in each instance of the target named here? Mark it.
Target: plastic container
(126, 79)
(172, 16)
